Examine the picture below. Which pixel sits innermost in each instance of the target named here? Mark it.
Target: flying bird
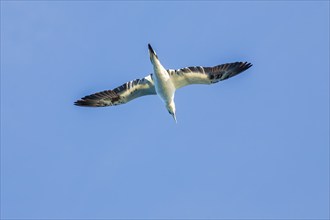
(163, 82)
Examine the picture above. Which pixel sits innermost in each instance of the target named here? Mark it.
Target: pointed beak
(174, 117)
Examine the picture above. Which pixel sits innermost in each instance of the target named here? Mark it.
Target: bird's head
(153, 55)
(171, 109)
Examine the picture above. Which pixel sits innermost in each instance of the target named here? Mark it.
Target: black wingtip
(248, 65)
(89, 103)
(244, 66)
(80, 103)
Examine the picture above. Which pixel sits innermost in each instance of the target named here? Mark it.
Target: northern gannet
(164, 83)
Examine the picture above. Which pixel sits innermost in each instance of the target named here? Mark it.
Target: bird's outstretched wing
(120, 95)
(206, 75)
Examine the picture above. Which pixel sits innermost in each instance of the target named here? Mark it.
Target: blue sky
(254, 146)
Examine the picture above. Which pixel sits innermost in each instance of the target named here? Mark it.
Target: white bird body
(164, 87)
(163, 83)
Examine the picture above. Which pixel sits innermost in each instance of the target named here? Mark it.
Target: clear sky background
(253, 146)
